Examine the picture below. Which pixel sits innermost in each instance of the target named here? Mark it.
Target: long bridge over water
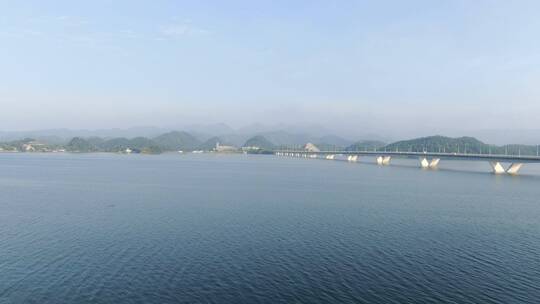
(501, 164)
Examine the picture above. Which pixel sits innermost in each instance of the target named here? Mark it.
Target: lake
(210, 228)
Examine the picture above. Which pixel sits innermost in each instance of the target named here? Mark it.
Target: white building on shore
(221, 148)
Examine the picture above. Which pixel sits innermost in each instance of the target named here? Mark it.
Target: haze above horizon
(400, 69)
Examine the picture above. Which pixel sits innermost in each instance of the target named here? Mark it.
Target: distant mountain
(365, 145)
(442, 143)
(172, 141)
(458, 145)
(211, 143)
(115, 144)
(283, 138)
(78, 144)
(234, 139)
(254, 128)
(95, 141)
(260, 142)
(502, 136)
(142, 143)
(120, 144)
(213, 129)
(329, 147)
(176, 140)
(334, 140)
(280, 134)
(313, 130)
(65, 135)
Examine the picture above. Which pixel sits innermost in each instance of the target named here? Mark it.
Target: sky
(389, 67)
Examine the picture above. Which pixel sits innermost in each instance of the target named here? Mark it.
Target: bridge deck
(457, 156)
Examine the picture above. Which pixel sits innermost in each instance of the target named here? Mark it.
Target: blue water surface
(105, 228)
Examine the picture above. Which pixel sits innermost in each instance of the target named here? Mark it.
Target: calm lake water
(103, 228)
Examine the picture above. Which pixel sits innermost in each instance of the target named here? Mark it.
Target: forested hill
(260, 142)
(457, 145)
(172, 141)
(183, 141)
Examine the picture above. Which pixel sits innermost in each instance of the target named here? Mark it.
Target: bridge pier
(383, 160)
(425, 164)
(513, 169)
(501, 164)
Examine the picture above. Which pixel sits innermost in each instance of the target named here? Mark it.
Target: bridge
(501, 164)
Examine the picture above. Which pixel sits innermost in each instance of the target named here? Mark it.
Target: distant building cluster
(29, 145)
(309, 147)
(223, 148)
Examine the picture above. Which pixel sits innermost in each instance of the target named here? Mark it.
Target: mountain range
(185, 141)
(280, 134)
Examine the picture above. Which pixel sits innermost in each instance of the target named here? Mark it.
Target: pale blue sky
(418, 66)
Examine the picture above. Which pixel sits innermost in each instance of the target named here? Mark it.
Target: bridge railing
(505, 151)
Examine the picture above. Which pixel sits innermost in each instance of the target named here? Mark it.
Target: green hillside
(176, 140)
(78, 144)
(210, 144)
(365, 145)
(457, 145)
(260, 142)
